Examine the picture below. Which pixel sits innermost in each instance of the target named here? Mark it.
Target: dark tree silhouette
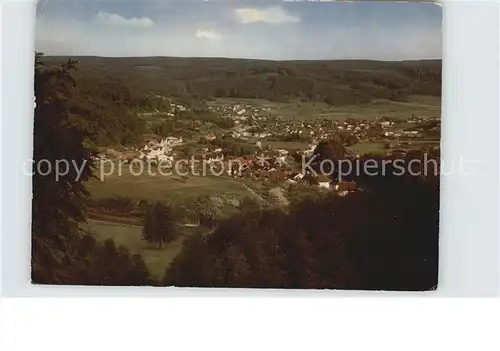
(384, 238)
(159, 225)
(61, 252)
(332, 149)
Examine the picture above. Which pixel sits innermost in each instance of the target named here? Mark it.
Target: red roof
(127, 155)
(346, 186)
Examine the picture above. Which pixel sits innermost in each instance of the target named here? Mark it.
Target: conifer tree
(61, 252)
(164, 223)
(159, 224)
(148, 229)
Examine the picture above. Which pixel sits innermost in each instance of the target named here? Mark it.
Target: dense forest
(61, 252)
(385, 237)
(334, 82)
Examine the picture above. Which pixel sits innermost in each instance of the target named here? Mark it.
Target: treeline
(83, 261)
(382, 238)
(117, 206)
(334, 82)
(109, 109)
(107, 106)
(234, 147)
(190, 121)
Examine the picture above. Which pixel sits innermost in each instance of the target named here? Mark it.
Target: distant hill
(337, 82)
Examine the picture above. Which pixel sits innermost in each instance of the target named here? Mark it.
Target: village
(276, 145)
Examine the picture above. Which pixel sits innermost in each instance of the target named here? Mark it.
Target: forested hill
(339, 82)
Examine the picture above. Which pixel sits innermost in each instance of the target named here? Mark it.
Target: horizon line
(242, 58)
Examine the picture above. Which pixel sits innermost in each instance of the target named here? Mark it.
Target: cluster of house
(153, 150)
(420, 119)
(246, 132)
(174, 107)
(404, 133)
(274, 170)
(240, 112)
(160, 151)
(274, 165)
(252, 128)
(314, 130)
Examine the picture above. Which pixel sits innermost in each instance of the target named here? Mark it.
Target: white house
(298, 176)
(325, 185)
(324, 182)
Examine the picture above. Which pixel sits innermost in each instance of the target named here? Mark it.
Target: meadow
(159, 187)
(368, 148)
(130, 236)
(127, 231)
(289, 145)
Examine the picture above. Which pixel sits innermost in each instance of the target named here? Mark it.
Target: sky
(275, 30)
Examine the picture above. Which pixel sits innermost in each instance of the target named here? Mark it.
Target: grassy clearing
(157, 187)
(128, 231)
(288, 145)
(131, 237)
(368, 148)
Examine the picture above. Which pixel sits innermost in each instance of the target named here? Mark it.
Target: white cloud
(67, 36)
(117, 20)
(209, 34)
(272, 15)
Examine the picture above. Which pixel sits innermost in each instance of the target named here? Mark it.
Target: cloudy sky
(277, 30)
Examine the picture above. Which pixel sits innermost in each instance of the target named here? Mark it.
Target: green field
(128, 231)
(366, 148)
(418, 105)
(288, 145)
(159, 187)
(131, 237)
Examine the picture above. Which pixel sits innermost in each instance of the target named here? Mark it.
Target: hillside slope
(342, 82)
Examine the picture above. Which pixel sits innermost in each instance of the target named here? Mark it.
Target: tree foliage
(334, 82)
(383, 238)
(61, 252)
(332, 149)
(159, 224)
